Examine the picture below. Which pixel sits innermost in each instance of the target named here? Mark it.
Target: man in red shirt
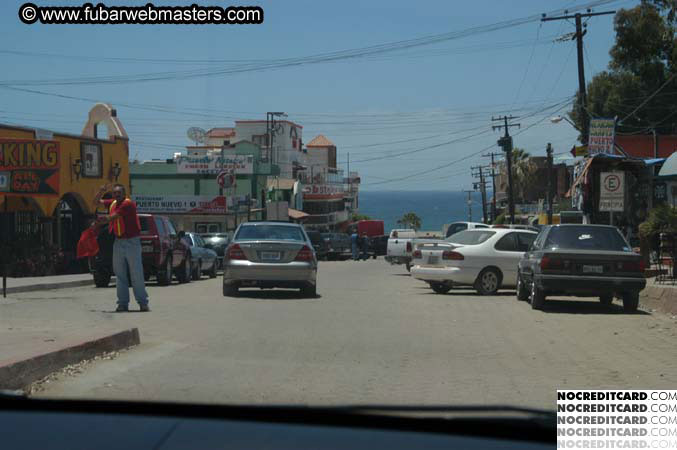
(124, 225)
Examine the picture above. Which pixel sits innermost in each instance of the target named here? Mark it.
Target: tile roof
(320, 141)
(221, 132)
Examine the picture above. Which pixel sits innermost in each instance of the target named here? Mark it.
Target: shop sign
(612, 191)
(29, 167)
(214, 164)
(601, 138)
(322, 189)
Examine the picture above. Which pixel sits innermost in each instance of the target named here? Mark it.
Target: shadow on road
(275, 295)
(584, 307)
(471, 293)
(400, 274)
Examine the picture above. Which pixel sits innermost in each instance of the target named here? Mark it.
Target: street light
(558, 119)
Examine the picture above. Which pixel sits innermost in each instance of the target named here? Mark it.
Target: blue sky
(425, 96)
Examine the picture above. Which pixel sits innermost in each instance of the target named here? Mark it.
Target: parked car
(456, 227)
(217, 242)
(320, 246)
(204, 260)
(338, 245)
(268, 255)
(581, 260)
(164, 253)
(400, 247)
(483, 258)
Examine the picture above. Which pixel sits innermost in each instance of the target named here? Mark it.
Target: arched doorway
(70, 220)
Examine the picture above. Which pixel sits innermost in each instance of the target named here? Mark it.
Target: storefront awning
(297, 215)
(669, 168)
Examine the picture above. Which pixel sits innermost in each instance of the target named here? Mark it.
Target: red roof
(642, 145)
(320, 141)
(221, 132)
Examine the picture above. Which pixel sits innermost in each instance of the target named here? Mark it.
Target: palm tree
(524, 173)
(410, 220)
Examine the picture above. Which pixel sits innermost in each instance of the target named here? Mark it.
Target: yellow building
(48, 179)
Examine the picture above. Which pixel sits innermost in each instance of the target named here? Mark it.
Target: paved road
(374, 336)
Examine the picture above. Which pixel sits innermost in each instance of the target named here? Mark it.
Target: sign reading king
(29, 167)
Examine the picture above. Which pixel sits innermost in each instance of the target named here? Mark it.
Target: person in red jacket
(124, 225)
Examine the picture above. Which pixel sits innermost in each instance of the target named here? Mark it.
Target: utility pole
(506, 144)
(469, 205)
(270, 130)
(493, 184)
(582, 98)
(483, 189)
(548, 150)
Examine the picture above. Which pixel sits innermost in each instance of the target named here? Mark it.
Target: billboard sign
(602, 135)
(29, 167)
(213, 164)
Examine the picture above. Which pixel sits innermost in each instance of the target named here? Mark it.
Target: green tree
(357, 217)
(643, 59)
(523, 175)
(410, 220)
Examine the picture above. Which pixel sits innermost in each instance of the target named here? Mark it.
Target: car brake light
(409, 246)
(305, 254)
(235, 252)
(631, 266)
(417, 254)
(455, 256)
(549, 263)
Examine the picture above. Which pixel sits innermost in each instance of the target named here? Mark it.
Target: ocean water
(435, 208)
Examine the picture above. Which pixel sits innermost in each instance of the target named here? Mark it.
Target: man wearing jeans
(124, 225)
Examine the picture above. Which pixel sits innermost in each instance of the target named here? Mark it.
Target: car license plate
(270, 256)
(593, 269)
(433, 259)
(146, 248)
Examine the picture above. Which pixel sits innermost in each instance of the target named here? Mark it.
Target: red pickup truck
(164, 253)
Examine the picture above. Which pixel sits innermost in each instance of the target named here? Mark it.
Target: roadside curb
(49, 286)
(659, 298)
(19, 373)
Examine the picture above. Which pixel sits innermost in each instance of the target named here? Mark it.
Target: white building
(286, 150)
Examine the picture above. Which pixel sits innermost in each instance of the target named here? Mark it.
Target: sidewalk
(29, 284)
(660, 296)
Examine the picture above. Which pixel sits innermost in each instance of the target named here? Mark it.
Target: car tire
(310, 290)
(164, 275)
(230, 290)
(606, 299)
(630, 301)
(488, 281)
(185, 272)
(537, 297)
(102, 278)
(212, 271)
(197, 272)
(440, 288)
(522, 292)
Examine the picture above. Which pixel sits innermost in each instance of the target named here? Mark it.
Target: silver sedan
(270, 255)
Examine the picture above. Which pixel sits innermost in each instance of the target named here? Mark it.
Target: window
(587, 238)
(470, 237)
(481, 226)
(507, 243)
(524, 241)
(160, 226)
(90, 159)
(456, 227)
(201, 228)
(269, 233)
(170, 228)
(145, 225)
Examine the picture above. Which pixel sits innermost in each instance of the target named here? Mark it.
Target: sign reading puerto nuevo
(602, 135)
(213, 164)
(612, 191)
(182, 204)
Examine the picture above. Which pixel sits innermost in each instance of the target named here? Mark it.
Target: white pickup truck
(400, 247)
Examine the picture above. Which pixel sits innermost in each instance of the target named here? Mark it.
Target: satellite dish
(196, 135)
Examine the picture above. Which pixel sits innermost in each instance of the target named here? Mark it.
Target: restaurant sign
(214, 164)
(182, 204)
(602, 134)
(322, 190)
(29, 167)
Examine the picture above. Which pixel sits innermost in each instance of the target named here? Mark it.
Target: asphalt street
(373, 335)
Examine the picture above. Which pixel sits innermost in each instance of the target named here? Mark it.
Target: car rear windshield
(470, 237)
(269, 233)
(586, 238)
(145, 225)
